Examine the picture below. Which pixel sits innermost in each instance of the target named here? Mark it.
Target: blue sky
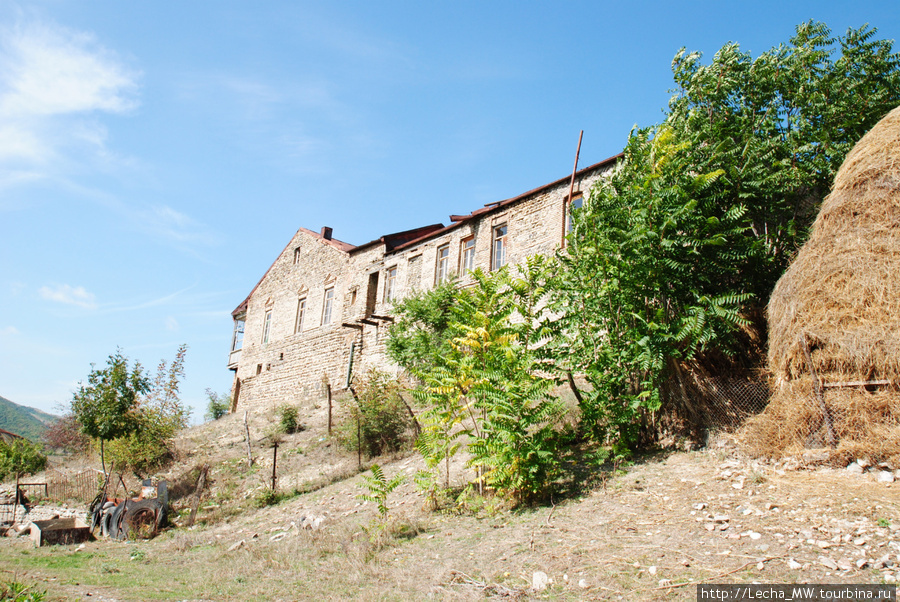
(156, 157)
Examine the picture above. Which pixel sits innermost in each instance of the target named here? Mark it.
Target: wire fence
(697, 405)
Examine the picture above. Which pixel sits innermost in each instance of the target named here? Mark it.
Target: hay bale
(842, 295)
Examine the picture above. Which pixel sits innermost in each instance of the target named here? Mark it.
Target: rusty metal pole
(274, 463)
(567, 208)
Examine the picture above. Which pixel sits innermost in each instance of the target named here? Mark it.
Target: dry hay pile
(842, 295)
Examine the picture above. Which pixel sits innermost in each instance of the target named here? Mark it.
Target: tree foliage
(20, 457)
(482, 385)
(218, 406)
(673, 251)
(136, 415)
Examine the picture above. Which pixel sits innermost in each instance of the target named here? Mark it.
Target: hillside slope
(649, 532)
(22, 420)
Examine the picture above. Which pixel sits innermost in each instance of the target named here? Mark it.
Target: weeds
(379, 488)
(13, 591)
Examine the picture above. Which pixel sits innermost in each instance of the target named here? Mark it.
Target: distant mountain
(22, 420)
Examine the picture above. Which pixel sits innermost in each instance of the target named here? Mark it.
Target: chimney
(326, 232)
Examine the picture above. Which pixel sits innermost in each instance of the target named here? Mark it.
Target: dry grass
(842, 296)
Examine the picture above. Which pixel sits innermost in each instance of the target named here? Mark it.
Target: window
(267, 327)
(237, 339)
(327, 305)
(301, 312)
(467, 254)
(574, 205)
(390, 284)
(297, 256)
(498, 258)
(442, 267)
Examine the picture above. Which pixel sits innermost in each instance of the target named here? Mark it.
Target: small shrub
(219, 405)
(384, 420)
(288, 419)
(379, 488)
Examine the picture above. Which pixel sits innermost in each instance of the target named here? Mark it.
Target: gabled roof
(340, 245)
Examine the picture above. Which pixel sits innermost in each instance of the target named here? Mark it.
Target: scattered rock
(861, 563)
(582, 584)
(651, 570)
(854, 468)
(882, 562)
(793, 564)
(828, 563)
(885, 476)
(278, 536)
(539, 581)
(665, 582)
(237, 545)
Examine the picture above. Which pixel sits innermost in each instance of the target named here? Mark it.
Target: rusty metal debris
(131, 518)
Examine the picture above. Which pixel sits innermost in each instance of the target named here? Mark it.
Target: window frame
(467, 254)
(442, 264)
(237, 342)
(390, 284)
(267, 327)
(327, 305)
(578, 198)
(498, 260)
(301, 314)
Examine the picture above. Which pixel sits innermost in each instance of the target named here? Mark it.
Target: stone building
(324, 306)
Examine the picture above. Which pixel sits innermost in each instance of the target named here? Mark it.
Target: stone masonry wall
(292, 366)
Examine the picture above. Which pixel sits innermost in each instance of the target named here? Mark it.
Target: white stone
(828, 563)
(651, 570)
(854, 468)
(885, 476)
(793, 564)
(539, 581)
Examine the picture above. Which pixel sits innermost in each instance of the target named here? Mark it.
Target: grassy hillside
(22, 420)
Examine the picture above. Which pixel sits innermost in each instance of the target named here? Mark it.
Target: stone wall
(292, 366)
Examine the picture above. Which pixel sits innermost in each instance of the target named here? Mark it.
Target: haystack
(835, 317)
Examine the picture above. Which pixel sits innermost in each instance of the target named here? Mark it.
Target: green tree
(218, 406)
(675, 251)
(136, 417)
(20, 457)
(160, 415)
(484, 384)
(106, 407)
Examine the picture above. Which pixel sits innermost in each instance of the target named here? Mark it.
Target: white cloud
(175, 226)
(9, 331)
(49, 70)
(51, 79)
(171, 324)
(69, 295)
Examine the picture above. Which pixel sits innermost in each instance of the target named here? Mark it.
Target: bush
(218, 406)
(288, 422)
(20, 457)
(384, 419)
(65, 435)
